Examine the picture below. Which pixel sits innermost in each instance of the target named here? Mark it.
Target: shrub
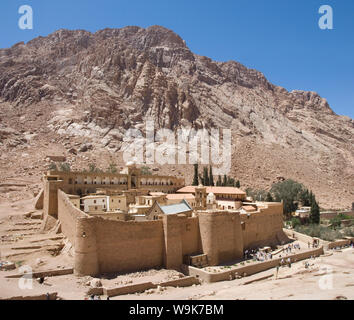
(112, 168)
(295, 222)
(64, 167)
(146, 171)
(53, 167)
(318, 231)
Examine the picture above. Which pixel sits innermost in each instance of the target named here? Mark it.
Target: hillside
(76, 93)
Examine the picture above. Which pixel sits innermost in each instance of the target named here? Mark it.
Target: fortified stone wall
(221, 236)
(68, 215)
(263, 227)
(129, 246)
(104, 246)
(191, 240)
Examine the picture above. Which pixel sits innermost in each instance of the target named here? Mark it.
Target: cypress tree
(224, 183)
(195, 178)
(238, 184)
(315, 212)
(219, 182)
(205, 176)
(211, 178)
(269, 197)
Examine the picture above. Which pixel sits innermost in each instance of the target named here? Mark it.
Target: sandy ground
(327, 278)
(23, 242)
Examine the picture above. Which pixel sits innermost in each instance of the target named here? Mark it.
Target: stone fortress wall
(104, 246)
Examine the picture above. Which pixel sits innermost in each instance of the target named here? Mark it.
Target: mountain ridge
(82, 87)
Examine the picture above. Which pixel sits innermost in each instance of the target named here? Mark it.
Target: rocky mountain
(76, 93)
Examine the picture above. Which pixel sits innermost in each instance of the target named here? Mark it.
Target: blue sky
(280, 38)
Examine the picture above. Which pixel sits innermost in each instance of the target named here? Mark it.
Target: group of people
(257, 255)
(287, 262)
(292, 246)
(96, 297)
(315, 244)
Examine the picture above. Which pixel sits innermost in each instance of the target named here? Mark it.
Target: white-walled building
(96, 203)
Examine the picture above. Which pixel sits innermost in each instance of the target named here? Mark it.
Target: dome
(211, 198)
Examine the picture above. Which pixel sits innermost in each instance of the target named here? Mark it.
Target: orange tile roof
(215, 190)
(178, 196)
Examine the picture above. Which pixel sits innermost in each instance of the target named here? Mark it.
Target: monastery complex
(129, 221)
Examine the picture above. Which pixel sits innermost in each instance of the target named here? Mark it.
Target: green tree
(224, 182)
(64, 167)
(112, 168)
(195, 178)
(269, 197)
(211, 177)
(53, 167)
(289, 192)
(219, 182)
(315, 212)
(305, 198)
(92, 167)
(205, 176)
(238, 184)
(145, 170)
(295, 222)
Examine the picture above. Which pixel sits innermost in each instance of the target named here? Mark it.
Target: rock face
(88, 89)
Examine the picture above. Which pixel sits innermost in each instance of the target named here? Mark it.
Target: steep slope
(74, 87)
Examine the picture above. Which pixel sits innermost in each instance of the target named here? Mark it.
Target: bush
(318, 231)
(112, 168)
(337, 221)
(52, 167)
(295, 222)
(289, 191)
(146, 171)
(65, 167)
(349, 232)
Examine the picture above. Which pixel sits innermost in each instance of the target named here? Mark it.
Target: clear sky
(280, 38)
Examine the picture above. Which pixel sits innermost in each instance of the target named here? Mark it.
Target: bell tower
(200, 197)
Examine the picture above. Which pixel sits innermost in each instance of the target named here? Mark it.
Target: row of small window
(103, 182)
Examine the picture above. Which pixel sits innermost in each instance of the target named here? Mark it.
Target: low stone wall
(303, 237)
(250, 269)
(38, 202)
(339, 243)
(95, 291)
(140, 287)
(52, 296)
(183, 282)
(40, 274)
(331, 215)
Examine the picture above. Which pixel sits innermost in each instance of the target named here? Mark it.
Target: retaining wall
(251, 268)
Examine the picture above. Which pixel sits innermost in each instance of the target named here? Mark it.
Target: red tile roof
(215, 190)
(178, 196)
